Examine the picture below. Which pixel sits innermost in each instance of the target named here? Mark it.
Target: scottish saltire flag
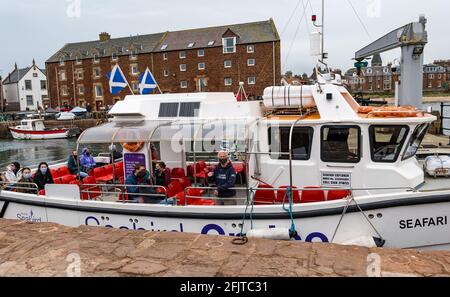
(147, 83)
(117, 81)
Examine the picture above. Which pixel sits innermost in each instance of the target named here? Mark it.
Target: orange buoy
(133, 146)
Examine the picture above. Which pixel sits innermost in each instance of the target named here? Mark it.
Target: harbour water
(31, 153)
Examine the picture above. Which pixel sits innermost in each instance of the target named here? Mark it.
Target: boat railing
(17, 186)
(104, 191)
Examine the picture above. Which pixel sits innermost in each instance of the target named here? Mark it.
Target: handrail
(14, 186)
(116, 186)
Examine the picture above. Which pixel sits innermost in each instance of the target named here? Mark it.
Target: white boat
(355, 170)
(34, 129)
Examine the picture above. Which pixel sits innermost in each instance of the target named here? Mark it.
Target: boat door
(340, 156)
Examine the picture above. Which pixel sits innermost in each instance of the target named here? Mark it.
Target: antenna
(314, 20)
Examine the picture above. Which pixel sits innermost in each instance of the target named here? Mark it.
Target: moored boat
(34, 129)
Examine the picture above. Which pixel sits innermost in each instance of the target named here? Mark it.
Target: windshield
(416, 141)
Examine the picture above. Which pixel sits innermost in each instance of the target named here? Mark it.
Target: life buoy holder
(133, 146)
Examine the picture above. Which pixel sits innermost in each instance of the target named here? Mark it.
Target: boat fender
(273, 233)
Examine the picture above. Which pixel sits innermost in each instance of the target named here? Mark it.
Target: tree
(288, 74)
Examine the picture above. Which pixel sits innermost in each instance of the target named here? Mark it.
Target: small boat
(34, 129)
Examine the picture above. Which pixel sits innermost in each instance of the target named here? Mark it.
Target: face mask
(44, 170)
(27, 176)
(223, 161)
(88, 154)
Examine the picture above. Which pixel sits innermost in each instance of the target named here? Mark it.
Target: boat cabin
(31, 125)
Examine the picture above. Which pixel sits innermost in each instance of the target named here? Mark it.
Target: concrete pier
(28, 249)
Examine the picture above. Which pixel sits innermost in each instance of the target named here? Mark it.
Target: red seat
(264, 196)
(194, 192)
(174, 188)
(58, 180)
(68, 179)
(118, 169)
(281, 193)
(240, 169)
(310, 196)
(90, 188)
(338, 194)
(178, 173)
(99, 172)
(103, 174)
(41, 193)
(63, 171)
(83, 195)
(185, 182)
(54, 173)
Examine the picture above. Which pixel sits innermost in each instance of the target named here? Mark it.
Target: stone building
(213, 59)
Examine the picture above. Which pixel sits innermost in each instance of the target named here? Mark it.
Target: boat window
(301, 143)
(386, 142)
(341, 144)
(168, 110)
(189, 109)
(416, 141)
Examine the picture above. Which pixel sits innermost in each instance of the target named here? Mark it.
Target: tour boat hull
(406, 220)
(39, 135)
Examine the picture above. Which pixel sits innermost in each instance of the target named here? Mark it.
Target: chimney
(104, 36)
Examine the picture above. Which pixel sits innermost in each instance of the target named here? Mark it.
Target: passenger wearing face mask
(43, 176)
(86, 160)
(74, 166)
(224, 176)
(13, 174)
(139, 177)
(26, 183)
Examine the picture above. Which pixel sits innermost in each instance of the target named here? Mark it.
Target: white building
(25, 89)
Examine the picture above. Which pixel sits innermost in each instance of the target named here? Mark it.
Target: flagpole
(132, 93)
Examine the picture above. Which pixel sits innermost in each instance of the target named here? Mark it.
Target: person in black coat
(224, 177)
(43, 176)
(73, 165)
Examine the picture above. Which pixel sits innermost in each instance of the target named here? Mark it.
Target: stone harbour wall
(44, 249)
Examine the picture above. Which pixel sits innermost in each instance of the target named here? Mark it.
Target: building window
(62, 75)
(431, 76)
(301, 143)
(183, 84)
(369, 70)
(61, 62)
(43, 85)
(191, 45)
(133, 55)
(201, 66)
(439, 76)
(35, 75)
(96, 59)
(164, 47)
(228, 81)
(30, 100)
(183, 67)
(165, 57)
(77, 60)
(28, 86)
(98, 91)
(227, 64)
(135, 86)
(387, 86)
(250, 49)
(251, 62)
(370, 79)
(430, 85)
(251, 80)
(114, 57)
(341, 144)
(182, 55)
(64, 91)
(80, 75)
(81, 90)
(166, 73)
(439, 85)
(201, 53)
(229, 45)
(386, 142)
(134, 70)
(211, 43)
(97, 72)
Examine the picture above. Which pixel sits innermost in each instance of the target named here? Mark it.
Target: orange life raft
(391, 111)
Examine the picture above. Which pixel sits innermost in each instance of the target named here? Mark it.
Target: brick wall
(214, 73)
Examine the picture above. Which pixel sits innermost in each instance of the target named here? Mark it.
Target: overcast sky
(38, 29)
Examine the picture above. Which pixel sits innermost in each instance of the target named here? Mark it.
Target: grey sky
(38, 29)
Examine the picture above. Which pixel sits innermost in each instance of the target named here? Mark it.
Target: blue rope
(292, 230)
(250, 196)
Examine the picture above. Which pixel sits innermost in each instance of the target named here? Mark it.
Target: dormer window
(229, 45)
(114, 56)
(211, 43)
(164, 47)
(96, 59)
(133, 54)
(191, 45)
(61, 62)
(77, 60)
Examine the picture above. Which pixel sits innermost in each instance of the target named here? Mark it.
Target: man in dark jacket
(224, 177)
(74, 166)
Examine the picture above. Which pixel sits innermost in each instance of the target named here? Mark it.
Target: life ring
(133, 146)
(365, 109)
(391, 111)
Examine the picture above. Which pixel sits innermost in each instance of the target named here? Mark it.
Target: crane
(412, 39)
